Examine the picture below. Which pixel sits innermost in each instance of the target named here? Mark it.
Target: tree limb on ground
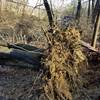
(10, 56)
(10, 53)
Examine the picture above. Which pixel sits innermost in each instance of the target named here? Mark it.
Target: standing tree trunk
(95, 11)
(48, 10)
(51, 7)
(96, 29)
(92, 9)
(89, 9)
(96, 18)
(78, 10)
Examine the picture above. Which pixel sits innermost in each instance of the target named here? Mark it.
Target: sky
(56, 3)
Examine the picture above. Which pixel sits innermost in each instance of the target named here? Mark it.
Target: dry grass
(14, 29)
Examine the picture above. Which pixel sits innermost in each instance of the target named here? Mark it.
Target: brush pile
(63, 64)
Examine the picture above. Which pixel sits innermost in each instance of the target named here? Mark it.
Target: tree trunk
(96, 29)
(49, 13)
(96, 21)
(92, 8)
(89, 9)
(20, 57)
(78, 10)
(95, 11)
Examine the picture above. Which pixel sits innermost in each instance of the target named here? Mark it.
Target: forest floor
(17, 83)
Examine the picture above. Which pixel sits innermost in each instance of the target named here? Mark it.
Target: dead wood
(11, 55)
(63, 65)
(89, 47)
(28, 54)
(23, 47)
(49, 12)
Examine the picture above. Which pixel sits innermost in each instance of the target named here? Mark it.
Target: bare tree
(78, 10)
(49, 12)
(89, 9)
(96, 22)
(92, 8)
(95, 11)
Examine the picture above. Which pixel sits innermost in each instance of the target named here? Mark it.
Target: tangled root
(63, 65)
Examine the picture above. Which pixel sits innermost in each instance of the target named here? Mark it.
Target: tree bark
(78, 10)
(26, 54)
(96, 29)
(11, 56)
(49, 12)
(95, 11)
(96, 21)
(92, 8)
(89, 9)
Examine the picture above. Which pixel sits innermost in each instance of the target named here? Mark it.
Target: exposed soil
(16, 84)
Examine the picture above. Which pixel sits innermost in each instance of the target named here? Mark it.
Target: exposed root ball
(63, 64)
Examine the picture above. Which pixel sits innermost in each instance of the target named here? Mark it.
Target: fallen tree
(28, 54)
(20, 55)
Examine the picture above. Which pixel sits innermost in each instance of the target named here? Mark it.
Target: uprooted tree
(61, 62)
(63, 65)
